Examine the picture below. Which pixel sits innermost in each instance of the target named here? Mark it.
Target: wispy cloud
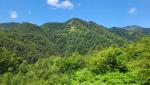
(132, 10)
(13, 14)
(66, 4)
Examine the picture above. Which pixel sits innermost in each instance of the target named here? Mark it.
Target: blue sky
(105, 12)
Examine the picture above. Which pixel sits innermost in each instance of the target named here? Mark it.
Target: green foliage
(29, 40)
(116, 78)
(73, 63)
(73, 53)
(131, 33)
(113, 60)
(8, 61)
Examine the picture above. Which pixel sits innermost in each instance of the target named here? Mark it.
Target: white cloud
(132, 10)
(13, 14)
(66, 4)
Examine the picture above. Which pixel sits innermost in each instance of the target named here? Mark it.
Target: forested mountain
(131, 32)
(75, 52)
(78, 35)
(56, 38)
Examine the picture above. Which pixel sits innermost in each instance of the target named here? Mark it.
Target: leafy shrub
(116, 78)
(73, 63)
(113, 60)
(8, 61)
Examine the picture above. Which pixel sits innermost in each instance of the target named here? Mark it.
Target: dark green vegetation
(131, 32)
(75, 52)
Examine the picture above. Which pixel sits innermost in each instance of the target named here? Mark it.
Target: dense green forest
(75, 52)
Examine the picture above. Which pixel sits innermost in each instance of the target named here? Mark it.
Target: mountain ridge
(130, 33)
(66, 37)
(76, 19)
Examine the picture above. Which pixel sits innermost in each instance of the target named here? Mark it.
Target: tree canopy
(75, 52)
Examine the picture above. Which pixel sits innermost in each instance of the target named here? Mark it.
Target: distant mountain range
(131, 32)
(74, 35)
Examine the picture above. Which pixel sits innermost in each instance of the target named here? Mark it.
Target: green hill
(74, 35)
(75, 52)
(131, 33)
(81, 36)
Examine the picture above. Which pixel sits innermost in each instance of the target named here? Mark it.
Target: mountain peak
(76, 21)
(132, 27)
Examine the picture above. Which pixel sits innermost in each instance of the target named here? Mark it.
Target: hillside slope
(74, 35)
(131, 33)
(127, 65)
